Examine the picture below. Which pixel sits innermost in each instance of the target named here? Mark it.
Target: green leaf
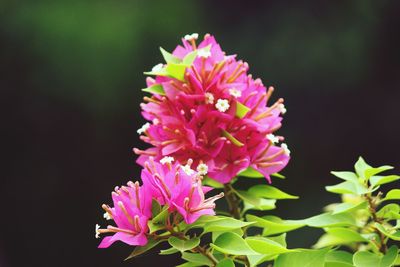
(304, 258)
(268, 191)
(154, 227)
(329, 220)
(361, 166)
(369, 259)
(162, 216)
(392, 234)
(349, 207)
(189, 58)
(183, 245)
(256, 203)
(231, 138)
(251, 173)
(339, 236)
(255, 260)
(159, 72)
(348, 176)
(241, 110)
(225, 224)
(266, 246)
(339, 257)
(155, 208)
(392, 194)
(196, 258)
(373, 171)
(274, 227)
(226, 263)
(379, 180)
(176, 71)
(211, 182)
(168, 251)
(347, 187)
(390, 211)
(142, 249)
(233, 244)
(169, 58)
(155, 89)
(216, 234)
(278, 175)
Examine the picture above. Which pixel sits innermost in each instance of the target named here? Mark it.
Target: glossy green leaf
(155, 89)
(169, 58)
(211, 182)
(391, 233)
(369, 259)
(226, 263)
(183, 245)
(390, 211)
(348, 176)
(225, 224)
(176, 71)
(256, 203)
(339, 236)
(361, 166)
(216, 234)
(157, 71)
(349, 207)
(278, 175)
(329, 220)
(154, 227)
(268, 191)
(337, 258)
(304, 258)
(273, 227)
(379, 180)
(373, 171)
(392, 194)
(266, 246)
(142, 249)
(233, 244)
(347, 187)
(189, 264)
(241, 110)
(162, 216)
(231, 138)
(196, 258)
(155, 208)
(251, 173)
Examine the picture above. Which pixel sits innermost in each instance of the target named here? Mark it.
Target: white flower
(166, 159)
(282, 108)
(203, 53)
(107, 216)
(156, 121)
(192, 36)
(202, 169)
(274, 139)
(144, 128)
(285, 149)
(187, 169)
(157, 68)
(209, 98)
(97, 231)
(235, 92)
(222, 105)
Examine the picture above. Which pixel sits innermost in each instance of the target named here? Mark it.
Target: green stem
(233, 201)
(372, 207)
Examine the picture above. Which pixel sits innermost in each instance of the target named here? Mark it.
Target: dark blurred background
(71, 73)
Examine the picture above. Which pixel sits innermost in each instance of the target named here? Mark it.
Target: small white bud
(274, 139)
(202, 169)
(282, 108)
(235, 93)
(285, 149)
(187, 169)
(144, 128)
(166, 159)
(209, 98)
(157, 67)
(203, 53)
(97, 231)
(222, 105)
(107, 216)
(192, 36)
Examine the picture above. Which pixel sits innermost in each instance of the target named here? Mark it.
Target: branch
(372, 207)
(233, 201)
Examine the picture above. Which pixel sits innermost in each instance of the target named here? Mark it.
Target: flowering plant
(210, 124)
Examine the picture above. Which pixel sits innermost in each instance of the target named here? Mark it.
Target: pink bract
(198, 117)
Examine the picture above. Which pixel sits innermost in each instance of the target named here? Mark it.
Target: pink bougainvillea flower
(205, 107)
(179, 187)
(131, 212)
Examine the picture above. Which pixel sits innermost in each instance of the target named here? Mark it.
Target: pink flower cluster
(216, 114)
(179, 187)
